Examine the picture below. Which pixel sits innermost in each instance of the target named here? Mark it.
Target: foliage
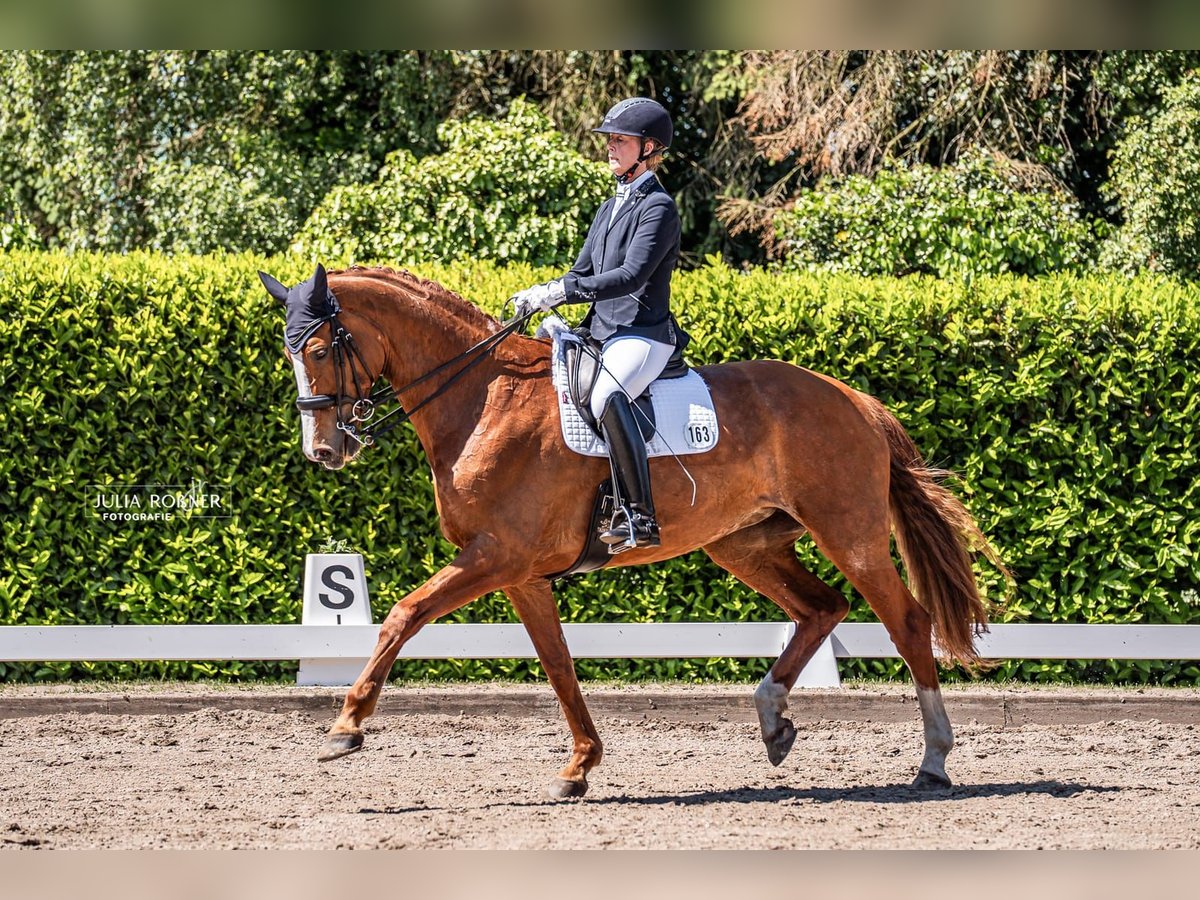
(198, 150)
(853, 112)
(16, 231)
(970, 219)
(1069, 405)
(848, 111)
(1134, 82)
(1155, 171)
(258, 203)
(190, 151)
(511, 190)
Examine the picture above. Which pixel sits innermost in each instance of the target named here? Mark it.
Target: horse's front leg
(473, 573)
(534, 603)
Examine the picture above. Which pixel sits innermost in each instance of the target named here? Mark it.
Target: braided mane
(425, 291)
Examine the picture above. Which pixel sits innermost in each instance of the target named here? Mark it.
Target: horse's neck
(418, 336)
(423, 340)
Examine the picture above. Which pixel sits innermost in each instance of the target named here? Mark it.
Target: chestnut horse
(799, 453)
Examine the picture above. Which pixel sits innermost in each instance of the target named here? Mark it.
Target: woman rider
(624, 272)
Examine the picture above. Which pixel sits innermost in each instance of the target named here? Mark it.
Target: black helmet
(640, 117)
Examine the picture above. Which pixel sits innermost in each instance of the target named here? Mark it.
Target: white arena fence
(342, 648)
(677, 640)
(336, 637)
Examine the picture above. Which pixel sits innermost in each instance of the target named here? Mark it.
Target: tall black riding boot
(634, 523)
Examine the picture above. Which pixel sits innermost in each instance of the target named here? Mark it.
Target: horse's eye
(321, 353)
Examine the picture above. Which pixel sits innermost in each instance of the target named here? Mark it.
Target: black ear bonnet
(309, 305)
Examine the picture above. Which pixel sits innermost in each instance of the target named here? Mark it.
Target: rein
(346, 353)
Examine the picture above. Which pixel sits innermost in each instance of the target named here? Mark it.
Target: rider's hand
(551, 325)
(539, 298)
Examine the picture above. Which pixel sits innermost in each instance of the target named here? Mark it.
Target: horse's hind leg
(863, 555)
(764, 558)
(911, 630)
(534, 603)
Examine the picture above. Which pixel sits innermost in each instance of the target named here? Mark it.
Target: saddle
(580, 359)
(581, 356)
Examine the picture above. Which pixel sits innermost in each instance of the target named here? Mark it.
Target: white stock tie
(622, 193)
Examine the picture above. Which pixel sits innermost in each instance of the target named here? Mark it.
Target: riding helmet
(640, 117)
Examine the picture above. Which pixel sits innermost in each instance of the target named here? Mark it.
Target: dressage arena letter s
(346, 592)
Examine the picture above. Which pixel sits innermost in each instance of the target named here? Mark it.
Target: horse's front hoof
(339, 745)
(927, 780)
(566, 789)
(780, 743)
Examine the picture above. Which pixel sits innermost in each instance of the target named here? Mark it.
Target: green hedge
(1069, 405)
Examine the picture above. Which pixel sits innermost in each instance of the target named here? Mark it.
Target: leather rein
(363, 408)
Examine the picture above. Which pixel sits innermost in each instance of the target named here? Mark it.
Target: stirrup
(630, 530)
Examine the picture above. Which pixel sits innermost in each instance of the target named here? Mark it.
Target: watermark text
(159, 502)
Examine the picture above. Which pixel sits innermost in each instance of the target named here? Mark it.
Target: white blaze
(308, 421)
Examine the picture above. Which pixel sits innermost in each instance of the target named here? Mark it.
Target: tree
(1156, 168)
(974, 217)
(198, 151)
(513, 189)
(838, 113)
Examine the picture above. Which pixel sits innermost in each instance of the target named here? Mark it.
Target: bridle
(346, 355)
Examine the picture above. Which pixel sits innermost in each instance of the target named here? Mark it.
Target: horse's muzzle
(326, 456)
(334, 454)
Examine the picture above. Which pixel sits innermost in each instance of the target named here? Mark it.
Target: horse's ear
(274, 288)
(320, 286)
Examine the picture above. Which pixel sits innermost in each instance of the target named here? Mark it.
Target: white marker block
(822, 670)
(335, 593)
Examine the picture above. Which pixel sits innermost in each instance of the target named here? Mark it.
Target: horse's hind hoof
(339, 745)
(780, 743)
(930, 781)
(566, 789)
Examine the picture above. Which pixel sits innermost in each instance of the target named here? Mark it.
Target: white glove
(539, 298)
(551, 325)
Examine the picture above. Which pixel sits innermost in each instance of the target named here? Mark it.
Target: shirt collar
(624, 190)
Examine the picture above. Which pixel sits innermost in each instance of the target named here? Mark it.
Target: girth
(582, 359)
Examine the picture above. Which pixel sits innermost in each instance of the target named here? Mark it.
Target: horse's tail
(936, 536)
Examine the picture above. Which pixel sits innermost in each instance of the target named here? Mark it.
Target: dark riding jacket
(624, 269)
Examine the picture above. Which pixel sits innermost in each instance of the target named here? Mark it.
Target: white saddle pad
(685, 420)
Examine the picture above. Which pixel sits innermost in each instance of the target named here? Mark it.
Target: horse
(799, 453)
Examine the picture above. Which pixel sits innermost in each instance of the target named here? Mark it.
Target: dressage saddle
(582, 360)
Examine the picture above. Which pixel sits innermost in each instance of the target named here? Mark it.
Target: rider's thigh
(630, 364)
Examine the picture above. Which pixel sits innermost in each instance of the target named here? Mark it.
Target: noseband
(362, 408)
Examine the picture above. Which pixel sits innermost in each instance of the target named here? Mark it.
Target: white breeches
(629, 364)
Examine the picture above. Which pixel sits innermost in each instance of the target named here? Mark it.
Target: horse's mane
(424, 290)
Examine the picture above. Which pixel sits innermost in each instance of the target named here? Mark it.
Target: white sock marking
(770, 699)
(939, 737)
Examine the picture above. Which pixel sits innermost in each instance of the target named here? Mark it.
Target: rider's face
(623, 152)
